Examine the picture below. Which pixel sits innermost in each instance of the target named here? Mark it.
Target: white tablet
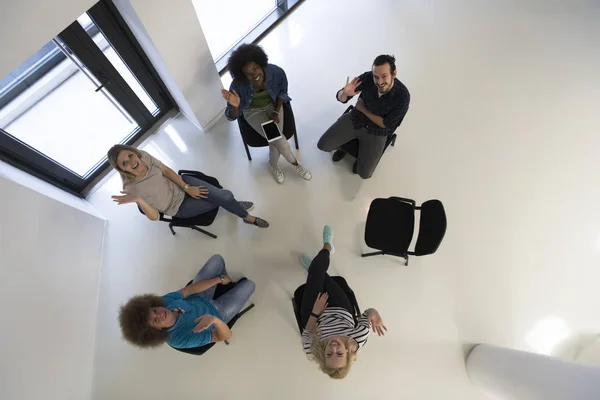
(271, 131)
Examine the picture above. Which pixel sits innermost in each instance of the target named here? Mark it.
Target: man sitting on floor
(380, 108)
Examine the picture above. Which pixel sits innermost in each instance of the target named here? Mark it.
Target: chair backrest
(299, 294)
(254, 139)
(219, 291)
(432, 227)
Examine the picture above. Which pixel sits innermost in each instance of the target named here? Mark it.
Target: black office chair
(299, 294)
(219, 291)
(253, 139)
(391, 224)
(351, 147)
(193, 223)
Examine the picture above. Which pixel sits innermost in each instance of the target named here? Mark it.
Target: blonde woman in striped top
(331, 337)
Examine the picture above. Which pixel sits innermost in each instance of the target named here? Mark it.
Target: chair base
(192, 227)
(382, 253)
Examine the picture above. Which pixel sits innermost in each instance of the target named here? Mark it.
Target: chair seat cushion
(254, 139)
(205, 219)
(390, 225)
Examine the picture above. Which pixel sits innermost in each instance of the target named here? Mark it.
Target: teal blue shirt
(195, 306)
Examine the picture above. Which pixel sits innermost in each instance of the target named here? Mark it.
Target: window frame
(111, 24)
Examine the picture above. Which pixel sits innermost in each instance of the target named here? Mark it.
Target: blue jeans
(231, 303)
(192, 207)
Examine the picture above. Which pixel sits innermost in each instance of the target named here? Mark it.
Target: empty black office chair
(299, 294)
(219, 291)
(352, 146)
(391, 224)
(193, 223)
(253, 139)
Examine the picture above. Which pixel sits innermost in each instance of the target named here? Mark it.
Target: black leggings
(319, 281)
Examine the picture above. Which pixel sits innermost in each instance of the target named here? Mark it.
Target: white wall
(50, 257)
(173, 39)
(27, 25)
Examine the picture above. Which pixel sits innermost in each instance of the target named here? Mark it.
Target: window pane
(226, 23)
(114, 58)
(61, 113)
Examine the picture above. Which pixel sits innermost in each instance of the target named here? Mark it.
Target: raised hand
(376, 322)
(320, 303)
(351, 85)
(231, 97)
(125, 198)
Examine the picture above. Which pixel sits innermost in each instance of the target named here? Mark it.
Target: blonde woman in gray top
(157, 188)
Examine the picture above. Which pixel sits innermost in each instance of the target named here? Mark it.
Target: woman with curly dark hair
(258, 91)
(188, 317)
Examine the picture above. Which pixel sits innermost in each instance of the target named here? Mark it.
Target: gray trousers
(255, 118)
(370, 146)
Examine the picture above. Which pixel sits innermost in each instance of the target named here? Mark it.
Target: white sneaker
(303, 172)
(277, 173)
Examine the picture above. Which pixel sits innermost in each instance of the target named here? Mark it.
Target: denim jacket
(275, 83)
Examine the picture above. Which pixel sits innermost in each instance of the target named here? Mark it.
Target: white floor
(502, 128)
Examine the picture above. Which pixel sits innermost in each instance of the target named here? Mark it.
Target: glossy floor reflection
(502, 128)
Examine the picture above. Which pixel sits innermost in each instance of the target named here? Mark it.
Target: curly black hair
(133, 318)
(243, 55)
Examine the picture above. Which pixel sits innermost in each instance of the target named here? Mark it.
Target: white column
(517, 375)
(171, 36)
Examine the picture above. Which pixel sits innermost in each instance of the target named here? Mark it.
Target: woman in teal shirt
(188, 317)
(258, 91)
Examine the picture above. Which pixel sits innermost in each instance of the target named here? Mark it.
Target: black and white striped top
(337, 321)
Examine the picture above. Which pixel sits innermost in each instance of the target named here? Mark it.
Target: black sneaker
(338, 155)
(261, 223)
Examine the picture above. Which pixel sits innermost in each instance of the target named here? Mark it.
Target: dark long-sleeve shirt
(391, 106)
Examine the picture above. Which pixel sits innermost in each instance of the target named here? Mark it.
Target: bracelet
(314, 315)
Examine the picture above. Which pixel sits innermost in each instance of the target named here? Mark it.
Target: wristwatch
(186, 187)
(222, 278)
